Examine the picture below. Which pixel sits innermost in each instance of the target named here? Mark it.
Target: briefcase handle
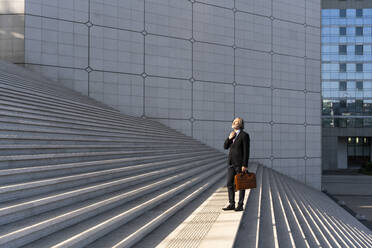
(245, 172)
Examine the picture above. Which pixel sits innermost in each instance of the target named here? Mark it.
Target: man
(238, 142)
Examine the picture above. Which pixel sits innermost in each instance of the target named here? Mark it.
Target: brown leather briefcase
(245, 181)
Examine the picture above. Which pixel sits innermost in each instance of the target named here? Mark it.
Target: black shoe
(229, 207)
(239, 208)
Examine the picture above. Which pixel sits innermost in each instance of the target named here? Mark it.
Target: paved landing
(215, 227)
(347, 184)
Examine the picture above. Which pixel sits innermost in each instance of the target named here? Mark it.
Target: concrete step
(152, 131)
(11, 150)
(92, 191)
(29, 77)
(35, 86)
(314, 237)
(11, 95)
(40, 89)
(333, 229)
(20, 161)
(324, 222)
(34, 139)
(248, 233)
(35, 100)
(119, 218)
(133, 232)
(34, 81)
(354, 233)
(121, 232)
(8, 91)
(47, 112)
(7, 83)
(31, 133)
(267, 226)
(26, 174)
(281, 228)
(322, 236)
(295, 231)
(15, 128)
(339, 217)
(40, 196)
(21, 235)
(20, 118)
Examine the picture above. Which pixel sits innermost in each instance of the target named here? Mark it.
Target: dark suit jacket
(239, 150)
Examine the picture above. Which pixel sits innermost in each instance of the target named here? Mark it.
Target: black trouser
(231, 172)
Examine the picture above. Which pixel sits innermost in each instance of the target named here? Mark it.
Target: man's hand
(243, 169)
(232, 135)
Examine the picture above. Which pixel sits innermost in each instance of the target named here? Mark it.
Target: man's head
(238, 123)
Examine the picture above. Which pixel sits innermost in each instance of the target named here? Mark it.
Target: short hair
(240, 122)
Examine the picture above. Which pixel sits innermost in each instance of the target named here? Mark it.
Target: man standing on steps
(238, 142)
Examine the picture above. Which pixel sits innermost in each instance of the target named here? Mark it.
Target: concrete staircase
(73, 170)
(76, 173)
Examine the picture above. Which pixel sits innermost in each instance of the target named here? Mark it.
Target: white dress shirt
(236, 135)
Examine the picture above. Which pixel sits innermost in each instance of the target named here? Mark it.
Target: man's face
(235, 124)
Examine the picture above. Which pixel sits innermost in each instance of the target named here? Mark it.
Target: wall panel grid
(194, 65)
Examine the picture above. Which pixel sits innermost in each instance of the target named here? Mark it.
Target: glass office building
(347, 85)
(347, 67)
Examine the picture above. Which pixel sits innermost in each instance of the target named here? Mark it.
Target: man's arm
(229, 140)
(246, 146)
(227, 143)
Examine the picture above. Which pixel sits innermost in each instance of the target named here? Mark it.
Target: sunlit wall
(194, 66)
(12, 29)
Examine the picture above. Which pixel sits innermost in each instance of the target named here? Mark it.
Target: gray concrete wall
(342, 153)
(12, 30)
(194, 65)
(329, 151)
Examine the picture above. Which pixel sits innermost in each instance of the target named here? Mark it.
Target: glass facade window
(342, 30)
(359, 67)
(341, 122)
(358, 49)
(358, 31)
(327, 107)
(342, 103)
(342, 85)
(359, 13)
(342, 67)
(359, 85)
(367, 105)
(342, 49)
(342, 13)
(359, 106)
(358, 122)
